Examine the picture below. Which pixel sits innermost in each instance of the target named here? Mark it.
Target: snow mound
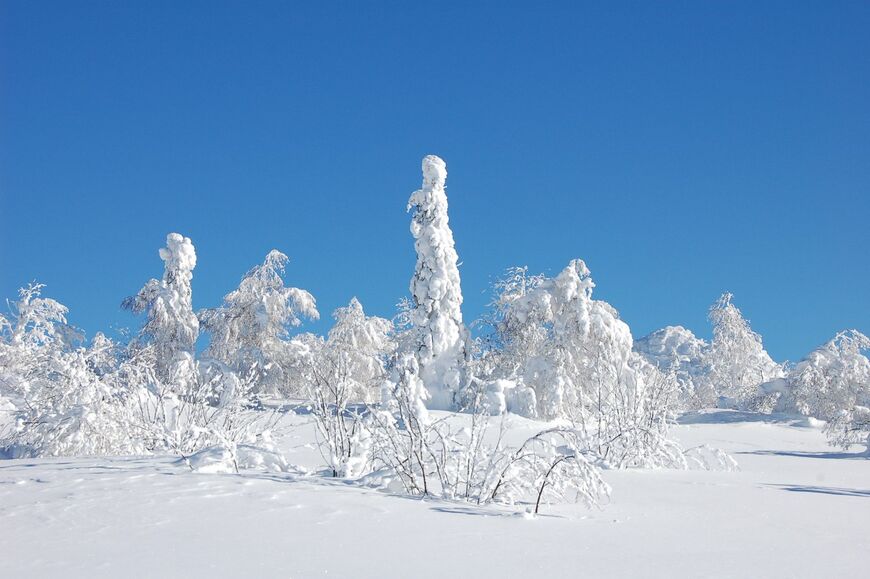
(224, 459)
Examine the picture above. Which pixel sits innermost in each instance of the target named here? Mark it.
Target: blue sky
(681, 149)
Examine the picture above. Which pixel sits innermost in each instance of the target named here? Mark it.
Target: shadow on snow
(845, 492)
(736, 416)
(801, 454)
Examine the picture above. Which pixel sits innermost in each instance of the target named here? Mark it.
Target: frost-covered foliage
(151, 395)
(571, 357)
(343, 374)
(833, 383)
(732, 370)
(676, 349)
(355, 352)
(171, 327)
(438, 336)
(62, 396)
(736, 362)
(249, 332)
(34, 333)
(542, 325)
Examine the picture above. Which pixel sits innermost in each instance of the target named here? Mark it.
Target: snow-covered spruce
(171, 326)
(438, 336)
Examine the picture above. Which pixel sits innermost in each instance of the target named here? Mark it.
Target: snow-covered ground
(796, 508)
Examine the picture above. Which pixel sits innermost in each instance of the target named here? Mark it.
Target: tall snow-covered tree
(438, 337)
(171, 326)
(736, 362)
(250, 331)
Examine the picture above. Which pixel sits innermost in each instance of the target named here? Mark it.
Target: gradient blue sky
(682, 149)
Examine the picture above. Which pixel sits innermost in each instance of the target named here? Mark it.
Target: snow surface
(796, 508)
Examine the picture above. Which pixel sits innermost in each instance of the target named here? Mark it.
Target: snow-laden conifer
(438, 335)
(171, 326)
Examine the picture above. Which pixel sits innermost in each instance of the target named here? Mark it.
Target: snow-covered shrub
(736, 361)
(850, 426)
(65, 401)
(400, 429)
(217, 409)
(551, 465)
(346, 372)
(438, 336)
(249, 332)
(33, 335)
(433, 457)
(223, 459)
(833, 383)
(676, 349)
(575, 355)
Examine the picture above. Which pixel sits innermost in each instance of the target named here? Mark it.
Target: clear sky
(681, 149)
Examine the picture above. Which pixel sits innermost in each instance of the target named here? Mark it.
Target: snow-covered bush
(438, 336)
(433, 457)
(152, 396)
(63, 397)
(676, 349)
(346, 372)
(218, 409)
(33, 335)
(356, 351)
(249, 332)
(833, 383)
(400, 428)
(736, 362)
(575, 355)
(551, 465)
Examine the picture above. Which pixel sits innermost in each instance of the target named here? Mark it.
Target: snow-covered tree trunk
(439, 336)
